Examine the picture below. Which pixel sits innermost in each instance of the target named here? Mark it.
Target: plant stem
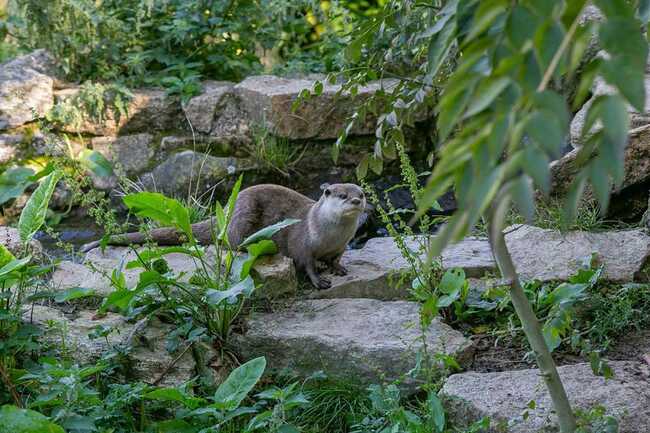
(10, 385)
(530, 323)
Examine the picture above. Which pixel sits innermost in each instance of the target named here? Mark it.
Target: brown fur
(325, 228)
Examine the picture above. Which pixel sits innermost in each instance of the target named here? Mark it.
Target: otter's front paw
(323, 283)
(339, 270)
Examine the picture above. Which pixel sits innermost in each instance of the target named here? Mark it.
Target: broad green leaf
(615, 118)
(621, 38)
(452, 280)
(244, 287)
(535, 164)
(172, 426)
(14, 265)
(546, 130)
(521, 25)
(268, 232)
(229, 209)
(239, 383)
(164, 210)
(14, 182)
(33, 215)
(547, 41)
(15, 420)
(74, 293)
(96, 163)
(261, 248)
(485, 94)
(436, 413)
(151, 254)
(439, 47)
(600, 180)
(554, 103)
(5, 256)
(173, 394)
(522, 196)
(485, 15)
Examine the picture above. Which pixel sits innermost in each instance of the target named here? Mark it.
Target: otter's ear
(324, 186)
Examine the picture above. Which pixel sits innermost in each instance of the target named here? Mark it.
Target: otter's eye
(327, 192)
(343, 196)
(361, 195)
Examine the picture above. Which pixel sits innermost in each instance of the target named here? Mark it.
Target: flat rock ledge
(276, 273)
(504, 396)
(551, 255)
(365, 340)
(376, 270)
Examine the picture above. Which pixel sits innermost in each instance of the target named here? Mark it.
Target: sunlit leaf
(33, 215)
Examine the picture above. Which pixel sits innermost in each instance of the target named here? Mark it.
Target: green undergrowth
(550, 214)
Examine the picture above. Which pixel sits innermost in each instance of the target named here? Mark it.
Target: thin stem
(10, 385)
(529, 321)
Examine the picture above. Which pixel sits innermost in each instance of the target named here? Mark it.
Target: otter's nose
(355, 201)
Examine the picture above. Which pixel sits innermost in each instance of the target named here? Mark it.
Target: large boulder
(636, 163)
(26, 91)
(268, 102)
(150, 110)
(10, 238)
(363, 340)
(10, 146)
(215, 112)
(145, 343)
(375, 270)
(200, 171)
(132, 153)
(505, 397)
(552, 255)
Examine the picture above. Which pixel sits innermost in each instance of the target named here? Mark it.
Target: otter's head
(343, 200)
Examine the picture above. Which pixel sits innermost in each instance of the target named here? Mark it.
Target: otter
(325, 228)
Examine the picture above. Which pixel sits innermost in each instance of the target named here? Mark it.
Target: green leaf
(522, 195)
(521, 25)
(5, 256)
(96, 163)
(436, 412)
(33, 215)
(439, 47)
(172, 426)
(244, 287)
(615, 118)
(165, 211)
(546, 130)
(261, 248)
(452, 280)
(622, 39)
(485, 15)
(485, 94)
(14, 182)
(73, 293)
(268, 232)
(14, 265)
(151, 254)
(173, 394)
(239, 383)
(225, 215)
(15, 420)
